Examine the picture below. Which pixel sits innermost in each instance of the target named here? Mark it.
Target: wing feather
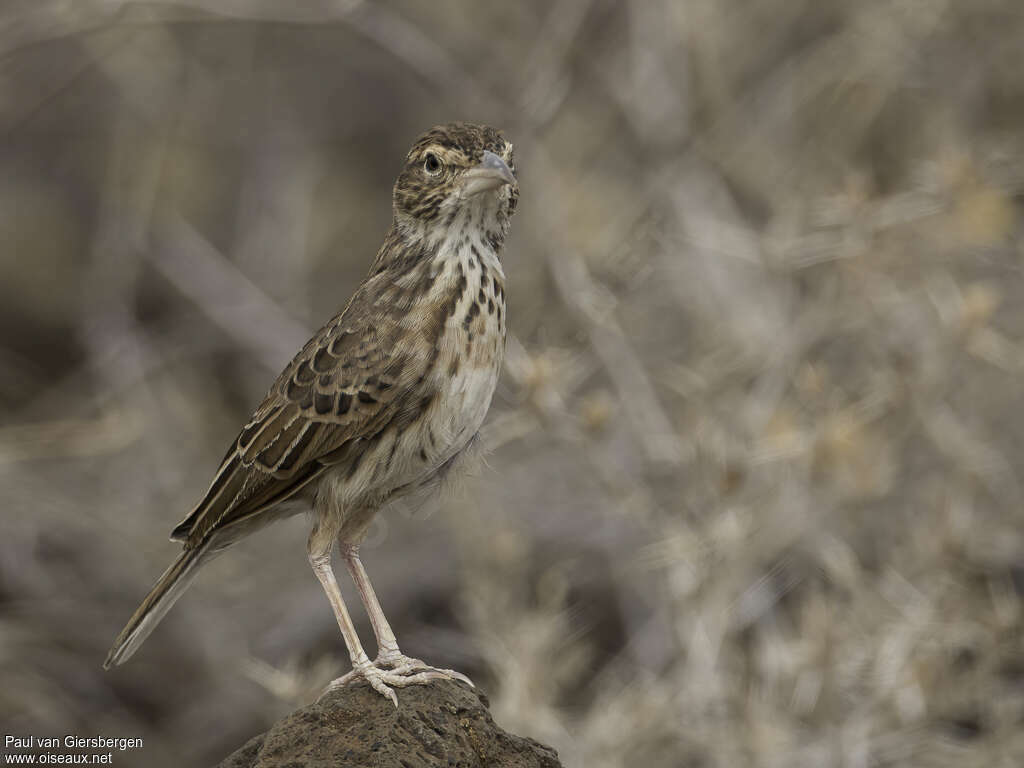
(348, 382)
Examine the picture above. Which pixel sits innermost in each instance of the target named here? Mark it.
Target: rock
(445, 723)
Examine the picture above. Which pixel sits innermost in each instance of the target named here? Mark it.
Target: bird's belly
(469, 393)
(464, 380)
(451, 399)
(402, 461)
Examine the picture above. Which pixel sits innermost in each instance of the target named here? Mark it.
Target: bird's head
(457, 175)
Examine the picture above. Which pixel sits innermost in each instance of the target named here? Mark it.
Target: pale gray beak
(490, 174)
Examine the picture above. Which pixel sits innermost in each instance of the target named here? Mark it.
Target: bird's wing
(349, 382)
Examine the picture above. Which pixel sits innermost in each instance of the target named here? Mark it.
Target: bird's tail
(158, 602)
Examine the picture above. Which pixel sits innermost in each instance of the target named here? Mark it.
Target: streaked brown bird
(385, 399)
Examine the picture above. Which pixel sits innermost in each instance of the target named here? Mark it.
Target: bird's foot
(399, 662)
(395, 670)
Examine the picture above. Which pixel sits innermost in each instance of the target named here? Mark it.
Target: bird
(385, 399)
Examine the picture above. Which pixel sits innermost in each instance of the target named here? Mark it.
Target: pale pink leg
(361, 665)
(388, 652)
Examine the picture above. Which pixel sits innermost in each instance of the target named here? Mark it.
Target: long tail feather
(158, 602)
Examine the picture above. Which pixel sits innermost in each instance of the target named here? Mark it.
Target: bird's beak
(490, 174)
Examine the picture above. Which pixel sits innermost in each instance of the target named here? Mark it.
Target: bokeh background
(754, 495)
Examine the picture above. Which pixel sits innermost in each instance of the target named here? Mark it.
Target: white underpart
(473, 385)
(457, 413)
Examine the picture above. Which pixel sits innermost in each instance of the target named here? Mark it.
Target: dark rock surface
(445, 724)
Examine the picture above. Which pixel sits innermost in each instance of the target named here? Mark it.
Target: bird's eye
(432, 164)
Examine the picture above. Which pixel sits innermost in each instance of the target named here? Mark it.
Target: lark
(384, 400)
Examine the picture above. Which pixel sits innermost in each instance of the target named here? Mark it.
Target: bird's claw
(403, 664)
(395, 670)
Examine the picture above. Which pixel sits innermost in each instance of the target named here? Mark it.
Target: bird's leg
(380, 679)
(387, 645)
(388, 652)
(321, 563)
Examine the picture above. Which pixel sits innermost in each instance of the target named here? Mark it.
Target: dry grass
(755, 489)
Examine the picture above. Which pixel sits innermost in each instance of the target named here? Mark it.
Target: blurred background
(754, 495)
